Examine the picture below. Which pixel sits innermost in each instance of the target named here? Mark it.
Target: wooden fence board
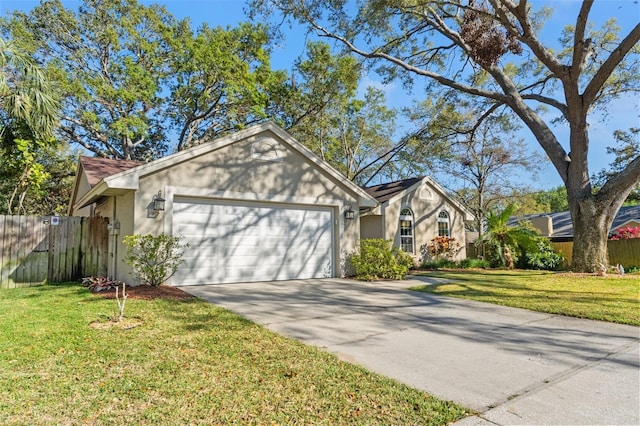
(4, 250)
(625, 252)
(34, 251)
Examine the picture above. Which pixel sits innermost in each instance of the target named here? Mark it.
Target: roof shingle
(97, 169)
(386, 191)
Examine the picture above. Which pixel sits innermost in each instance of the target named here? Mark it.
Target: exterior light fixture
(157, 204)
(349, 213)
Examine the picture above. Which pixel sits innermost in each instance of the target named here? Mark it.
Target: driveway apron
(511, 366)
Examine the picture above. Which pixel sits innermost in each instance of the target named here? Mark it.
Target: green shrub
(544, 256)
(154, 259)
(379, 259)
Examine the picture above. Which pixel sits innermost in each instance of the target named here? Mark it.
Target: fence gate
(39, 249)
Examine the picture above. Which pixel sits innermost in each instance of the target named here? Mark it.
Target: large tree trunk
(590, 232)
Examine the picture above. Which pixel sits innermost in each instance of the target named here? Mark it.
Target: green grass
(614, 299)
(189, 363)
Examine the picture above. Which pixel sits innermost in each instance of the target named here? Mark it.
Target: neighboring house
(412, 212)
(559, 227)
(254, 206)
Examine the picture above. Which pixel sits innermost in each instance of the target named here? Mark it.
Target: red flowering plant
(442, 248)
(626, 233)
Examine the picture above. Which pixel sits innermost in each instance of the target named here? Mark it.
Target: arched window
(443, 224)
(406, 230)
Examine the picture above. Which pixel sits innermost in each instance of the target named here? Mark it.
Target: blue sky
(622, 114)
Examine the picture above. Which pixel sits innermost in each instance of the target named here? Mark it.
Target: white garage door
(244, 241)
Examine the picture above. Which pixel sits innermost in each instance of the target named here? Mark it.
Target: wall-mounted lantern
(349, 213)
(157, 204)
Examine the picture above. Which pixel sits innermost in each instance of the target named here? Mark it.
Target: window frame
(407, 240)
(444, 218)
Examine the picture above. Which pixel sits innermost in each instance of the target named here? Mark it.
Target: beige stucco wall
(426, 205)
(544, 224)
(119, 210)
(233, 172)
(82, 187)
(371, 226)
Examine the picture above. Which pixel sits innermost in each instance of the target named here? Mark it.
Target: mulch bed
(147, 292)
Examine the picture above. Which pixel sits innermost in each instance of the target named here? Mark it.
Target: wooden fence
(623, 252)
(39, 249)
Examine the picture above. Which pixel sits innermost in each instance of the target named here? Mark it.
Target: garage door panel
(235, 242)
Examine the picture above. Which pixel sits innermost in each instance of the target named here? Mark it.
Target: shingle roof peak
(97, 168)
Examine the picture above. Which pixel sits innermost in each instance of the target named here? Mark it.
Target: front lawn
(612, 298)
(188, 363)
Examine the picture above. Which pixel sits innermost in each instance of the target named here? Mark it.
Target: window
(443, 224)
(406, 230)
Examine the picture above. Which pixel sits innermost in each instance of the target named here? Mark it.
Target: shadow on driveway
(483, 356)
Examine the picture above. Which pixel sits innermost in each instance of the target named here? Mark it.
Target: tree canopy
(493, 51)
(133, 77)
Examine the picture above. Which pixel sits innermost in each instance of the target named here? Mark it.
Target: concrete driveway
(510, 365)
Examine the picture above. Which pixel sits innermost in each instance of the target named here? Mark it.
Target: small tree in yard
(501, 239)
(154, 259)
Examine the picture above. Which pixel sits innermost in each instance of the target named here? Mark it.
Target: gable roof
(392, 191)
(97, 169)
(563, 225)
(128, 179)
(386, 191)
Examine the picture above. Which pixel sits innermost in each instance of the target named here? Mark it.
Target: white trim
(446, 220)
(407, 218)
(185, 191)
(626, 224)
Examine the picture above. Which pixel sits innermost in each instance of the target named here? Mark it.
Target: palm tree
(503, 239)
(26, 96)
(28, 115)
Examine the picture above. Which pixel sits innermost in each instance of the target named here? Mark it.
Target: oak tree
(494, 50)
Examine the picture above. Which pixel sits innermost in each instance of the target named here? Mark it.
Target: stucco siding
(234, 172)
(119, 210)
(425, 206)
(82, 188)
(261, 168)
(371, 226)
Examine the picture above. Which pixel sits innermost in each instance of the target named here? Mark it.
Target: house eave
(103, 189)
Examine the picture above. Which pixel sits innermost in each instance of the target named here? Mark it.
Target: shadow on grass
(198, 315)
(42, 291)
